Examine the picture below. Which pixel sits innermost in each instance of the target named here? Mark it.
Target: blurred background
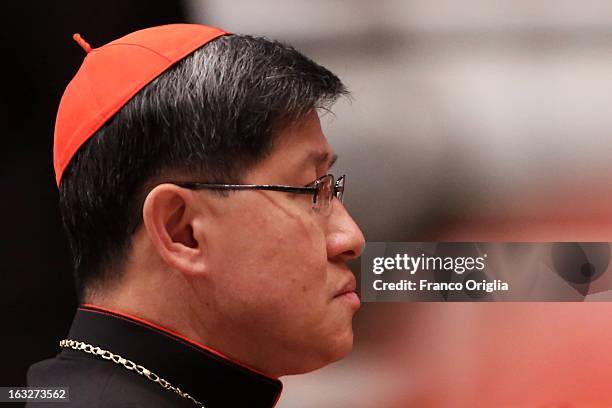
(470, 120)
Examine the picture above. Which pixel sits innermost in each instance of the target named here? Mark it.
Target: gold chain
(128, 364)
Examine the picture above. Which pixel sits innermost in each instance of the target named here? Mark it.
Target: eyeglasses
(323, 190)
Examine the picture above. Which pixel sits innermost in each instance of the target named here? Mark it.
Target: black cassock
(93, 382)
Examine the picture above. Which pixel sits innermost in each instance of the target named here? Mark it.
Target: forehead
(306, 137)
(301, 144)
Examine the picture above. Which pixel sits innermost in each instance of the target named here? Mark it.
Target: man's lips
(347, 293)
(349, 286)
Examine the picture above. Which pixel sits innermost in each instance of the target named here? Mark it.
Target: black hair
(213, 115)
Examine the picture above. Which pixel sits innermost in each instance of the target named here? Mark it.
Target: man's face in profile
(278, 273)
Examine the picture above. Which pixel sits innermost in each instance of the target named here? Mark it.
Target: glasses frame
(310, 188)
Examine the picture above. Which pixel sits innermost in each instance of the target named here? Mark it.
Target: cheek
(271, 257)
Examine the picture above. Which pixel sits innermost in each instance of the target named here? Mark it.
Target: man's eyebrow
(321, 158)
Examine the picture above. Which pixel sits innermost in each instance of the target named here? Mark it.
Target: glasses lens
(339, 188)
(324, 194)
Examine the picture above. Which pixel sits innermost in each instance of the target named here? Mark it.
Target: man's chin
(347, 345)
(341, 347)
(335, 351)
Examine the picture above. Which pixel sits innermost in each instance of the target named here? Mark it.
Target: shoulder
(97, 383)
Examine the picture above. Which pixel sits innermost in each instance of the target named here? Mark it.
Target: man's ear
(168, 215)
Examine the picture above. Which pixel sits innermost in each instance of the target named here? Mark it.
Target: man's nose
(345, 240)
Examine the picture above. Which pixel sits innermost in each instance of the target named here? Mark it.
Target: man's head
(258, 272)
